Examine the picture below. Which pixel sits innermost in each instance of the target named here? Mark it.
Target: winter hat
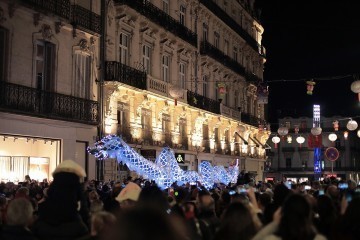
(130, 192)
(70, 166)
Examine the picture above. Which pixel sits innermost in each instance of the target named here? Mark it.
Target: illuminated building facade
(211, 53)
(49, 54)
(297, 162)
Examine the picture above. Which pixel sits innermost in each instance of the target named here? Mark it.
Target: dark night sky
(311, 38)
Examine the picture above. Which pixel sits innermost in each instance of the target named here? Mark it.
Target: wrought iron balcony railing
(116, 71)
(30, 101)
(85, 19)
(58, 7)
(161, 18)
(251, 120)
(79, 17)
(199, 101)
(213, 7)
(207, 49)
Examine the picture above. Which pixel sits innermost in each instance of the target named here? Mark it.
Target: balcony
(61, 8)
(251, 120)
(230, 112)
(30, 101)
(85, 19)
(158, 16)
(207, 49)
(217, 11)
(199, 101)
(116, 71)
(79, 17)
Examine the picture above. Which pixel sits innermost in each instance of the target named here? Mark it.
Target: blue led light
(166, 170)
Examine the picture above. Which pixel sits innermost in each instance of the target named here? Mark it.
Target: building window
(124, 48)
(166, 68)
(205, 32)
(182, 14)
(45, 66)
(146, 123)
(123, 120)
(204, 86)
(166, 128)
(288, 162)
(165, 6)
(182, 132)
(182, 75)
(82, 75)
(235, 54)
(3, 53)
(226, 47)
(146, 59)
(236, 98)
(227, 95)
(216, 39)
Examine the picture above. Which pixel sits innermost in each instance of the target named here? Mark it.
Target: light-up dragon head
(106, 147)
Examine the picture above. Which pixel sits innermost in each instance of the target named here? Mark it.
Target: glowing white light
(332, 137)
(300, 139)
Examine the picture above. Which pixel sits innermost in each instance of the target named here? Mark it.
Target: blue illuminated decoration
(317, 162)
(166, 170)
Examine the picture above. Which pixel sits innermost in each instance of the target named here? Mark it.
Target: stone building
(49, 54)
(293, 161)
(186, 74)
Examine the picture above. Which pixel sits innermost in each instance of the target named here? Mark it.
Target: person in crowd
(3, 204)
(206, 206)
(58, 217)
(144, 223)
(19, 217)
(327, 215)
(153, 197)
(236, 224)
(101, 222)
(129, 196)
(348, 225)
(293, 221)
(280, 194)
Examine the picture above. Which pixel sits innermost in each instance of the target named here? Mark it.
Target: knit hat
(71, 167)
(130, 192)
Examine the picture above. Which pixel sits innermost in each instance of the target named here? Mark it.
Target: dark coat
(16, 233)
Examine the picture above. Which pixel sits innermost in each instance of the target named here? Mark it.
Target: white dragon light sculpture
(165, 171)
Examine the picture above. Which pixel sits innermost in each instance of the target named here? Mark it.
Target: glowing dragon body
(165, 171)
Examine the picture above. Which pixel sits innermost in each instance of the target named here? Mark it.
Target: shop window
(166, 128)
(123, 120)
(146, 124)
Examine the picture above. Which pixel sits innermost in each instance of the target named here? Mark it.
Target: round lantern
(316, 131)
(351, 125)
(332, 137)
(358, 133)
(355, 87)
(310, 87)
(300, 140)
(282, 131)
(176, 92)
(275, 140)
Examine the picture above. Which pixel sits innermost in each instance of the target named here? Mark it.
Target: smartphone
(288, 185)
(343, 185)
(307, 187)
(232, 192)
(241, 190)
(321, 192)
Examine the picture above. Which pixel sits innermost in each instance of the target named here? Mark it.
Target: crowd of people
(135, 209)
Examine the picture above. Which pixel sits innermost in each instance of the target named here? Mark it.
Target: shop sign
(180, 157)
